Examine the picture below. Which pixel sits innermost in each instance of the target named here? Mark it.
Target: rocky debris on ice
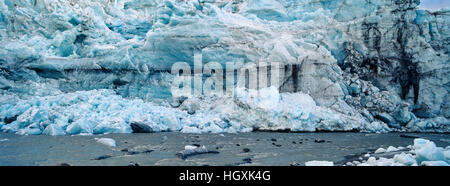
(426, 150)
(190, 150)
(106, 141)
(140, 128)
(422, 153)
(133, 164)
(405, 159)
(434, 163)
(63, 164)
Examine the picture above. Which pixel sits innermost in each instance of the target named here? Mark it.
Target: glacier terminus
(71, 67)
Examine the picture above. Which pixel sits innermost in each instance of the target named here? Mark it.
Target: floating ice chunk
(447, 154)
(195, 148)
(386, 162)
(426, 150)
(106, 141)
(405, 159)
(391, 149)
(190, 150)
(3, 140)
(380, 150)
(372, 161)
(434, 163)
(319, 163)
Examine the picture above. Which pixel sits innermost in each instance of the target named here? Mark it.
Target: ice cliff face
(348, 65)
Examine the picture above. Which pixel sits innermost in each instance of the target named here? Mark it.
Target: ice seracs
(190, 150)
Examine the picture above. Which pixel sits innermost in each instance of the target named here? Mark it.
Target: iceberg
(427, 151)
(103, 112)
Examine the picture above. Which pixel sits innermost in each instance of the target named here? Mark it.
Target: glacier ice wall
(98, 66)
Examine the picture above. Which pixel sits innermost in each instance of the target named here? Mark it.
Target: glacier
(99, 66)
